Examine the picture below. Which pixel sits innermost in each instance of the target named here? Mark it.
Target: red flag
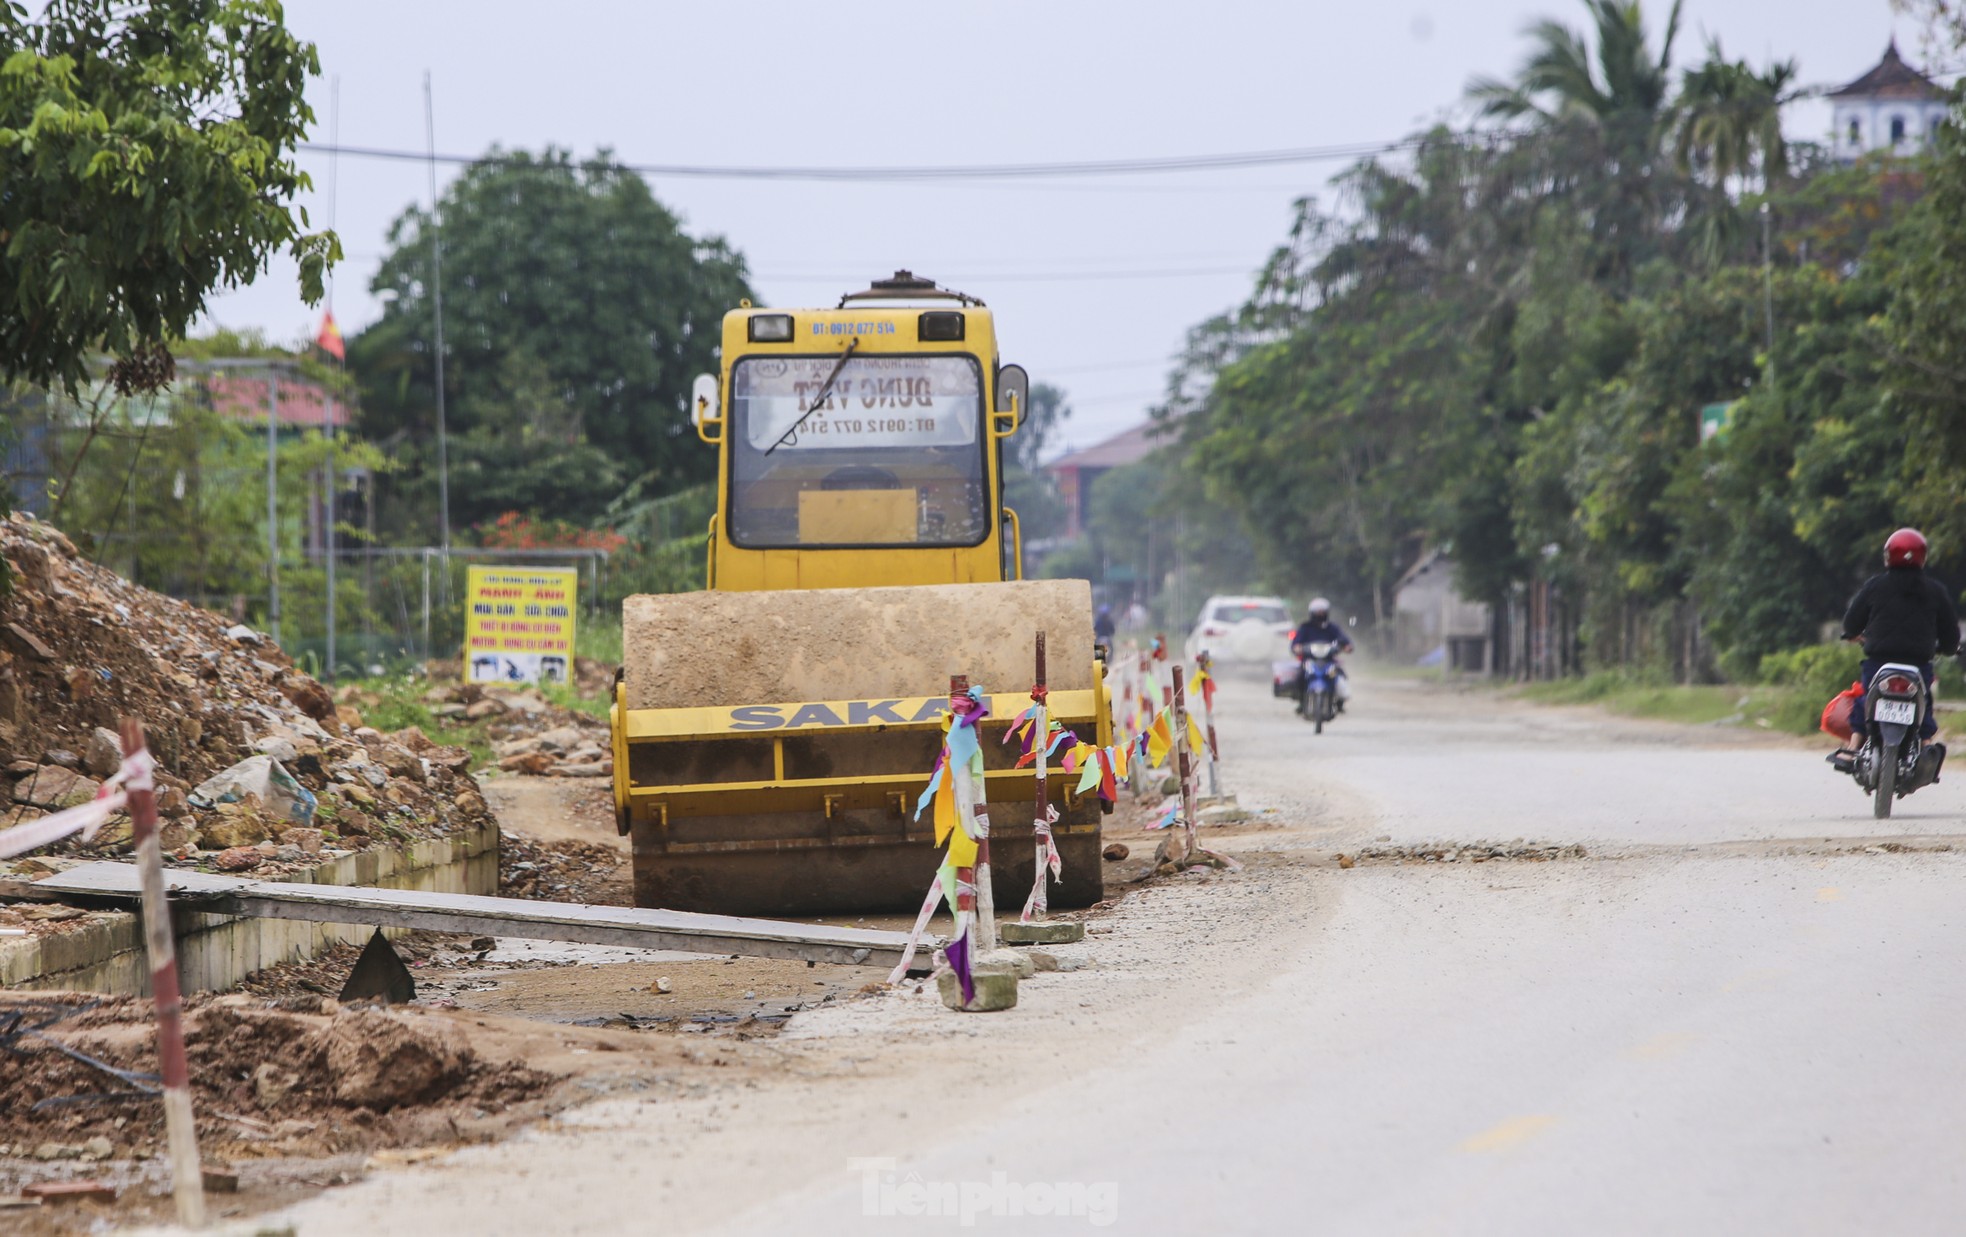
(329, 340)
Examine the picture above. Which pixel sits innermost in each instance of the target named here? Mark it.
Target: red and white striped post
(1205, 664)
(973, 812)
(181, 1130)
(1035, 926)
(1039, 906)
(1184, 762)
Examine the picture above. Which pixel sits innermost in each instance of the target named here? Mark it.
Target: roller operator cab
(771, 733)
(900, 454)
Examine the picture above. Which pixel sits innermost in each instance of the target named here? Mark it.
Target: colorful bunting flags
(1205, 681)
(1160, 738)
(955, 880)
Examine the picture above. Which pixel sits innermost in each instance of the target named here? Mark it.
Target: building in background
(1433, 625)
(1075, 471)
(1893, 109)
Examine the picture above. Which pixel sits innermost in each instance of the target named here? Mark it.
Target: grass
(393, 702)
(398, 702)
(567, 696)
(599, 638)
(1788, 709)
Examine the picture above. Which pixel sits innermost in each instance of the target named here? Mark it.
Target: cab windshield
(892, 457)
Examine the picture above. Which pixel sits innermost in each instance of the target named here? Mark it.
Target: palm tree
(1562, 80)
(1728, 119)
(1603, 113)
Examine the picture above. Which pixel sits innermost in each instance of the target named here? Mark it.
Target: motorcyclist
(1103, 626)
(1317, 628)
(1902, 615)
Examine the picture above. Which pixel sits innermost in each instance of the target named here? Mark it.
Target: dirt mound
(302, 1076)
(81, 648)
(383, 1060)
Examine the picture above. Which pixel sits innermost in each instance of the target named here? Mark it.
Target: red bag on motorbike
(1836, 714)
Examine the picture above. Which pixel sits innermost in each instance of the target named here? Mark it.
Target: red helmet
(1906, 548)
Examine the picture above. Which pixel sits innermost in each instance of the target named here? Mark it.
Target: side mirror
(705, 408)
(1013, 397)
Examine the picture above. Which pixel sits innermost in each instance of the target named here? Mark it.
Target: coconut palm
(1625, 80)
(1600, 103)
(1728, 119)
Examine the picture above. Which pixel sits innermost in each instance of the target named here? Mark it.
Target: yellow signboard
(518, 624)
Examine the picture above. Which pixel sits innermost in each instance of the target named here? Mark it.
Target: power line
(992, 262)
(1029, 277)
(1074, 168)
(1105, 367)
(976, 171)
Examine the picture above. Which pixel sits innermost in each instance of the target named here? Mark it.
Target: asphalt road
(1738, 1012)
(1671, 1038)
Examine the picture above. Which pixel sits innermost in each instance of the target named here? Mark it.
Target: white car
(1244, 629)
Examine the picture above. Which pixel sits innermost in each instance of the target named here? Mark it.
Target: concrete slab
(116, 883)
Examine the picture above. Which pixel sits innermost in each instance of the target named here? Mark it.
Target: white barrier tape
(137, 773)
(84, 820)
(1048, 860)
(929, 904)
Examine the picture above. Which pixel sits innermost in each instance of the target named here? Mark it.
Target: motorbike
(1286, 678)
(1892, 761)
(1317, 698)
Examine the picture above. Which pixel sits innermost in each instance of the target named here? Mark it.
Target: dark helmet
(1905, 548)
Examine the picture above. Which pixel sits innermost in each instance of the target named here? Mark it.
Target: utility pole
(437, 302)
(273, 501)
(334, 479)
(327, 419)
(1768, 286)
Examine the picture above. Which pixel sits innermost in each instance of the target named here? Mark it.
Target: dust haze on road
(1736, 1012)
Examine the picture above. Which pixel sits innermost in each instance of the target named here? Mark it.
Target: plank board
(635, 927)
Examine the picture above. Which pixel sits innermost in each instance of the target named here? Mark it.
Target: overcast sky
(1094, 282)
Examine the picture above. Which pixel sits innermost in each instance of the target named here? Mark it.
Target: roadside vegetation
(1787, 693)
(1616, 343)
(1503, 343)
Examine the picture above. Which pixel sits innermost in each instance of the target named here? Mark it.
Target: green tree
(1028, 488)
(1926, 331)
(576, 314)
(171, 492)
(1621, 82)
(1499, 348)
(1728, 120)
(146, 155)
(1601, 111)
(1781, 517)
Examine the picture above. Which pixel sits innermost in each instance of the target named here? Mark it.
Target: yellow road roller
(771, 733)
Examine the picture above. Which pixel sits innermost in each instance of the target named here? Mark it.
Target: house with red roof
(1075, 471)
(243, 396)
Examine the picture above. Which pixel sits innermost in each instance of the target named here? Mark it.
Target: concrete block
(1044, 932)
(996, 988)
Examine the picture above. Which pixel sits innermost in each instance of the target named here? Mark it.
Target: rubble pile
(1465, 852)
(256, 765)
(298, 1077)
(563, 870)
(558, 751)
(529, 733)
